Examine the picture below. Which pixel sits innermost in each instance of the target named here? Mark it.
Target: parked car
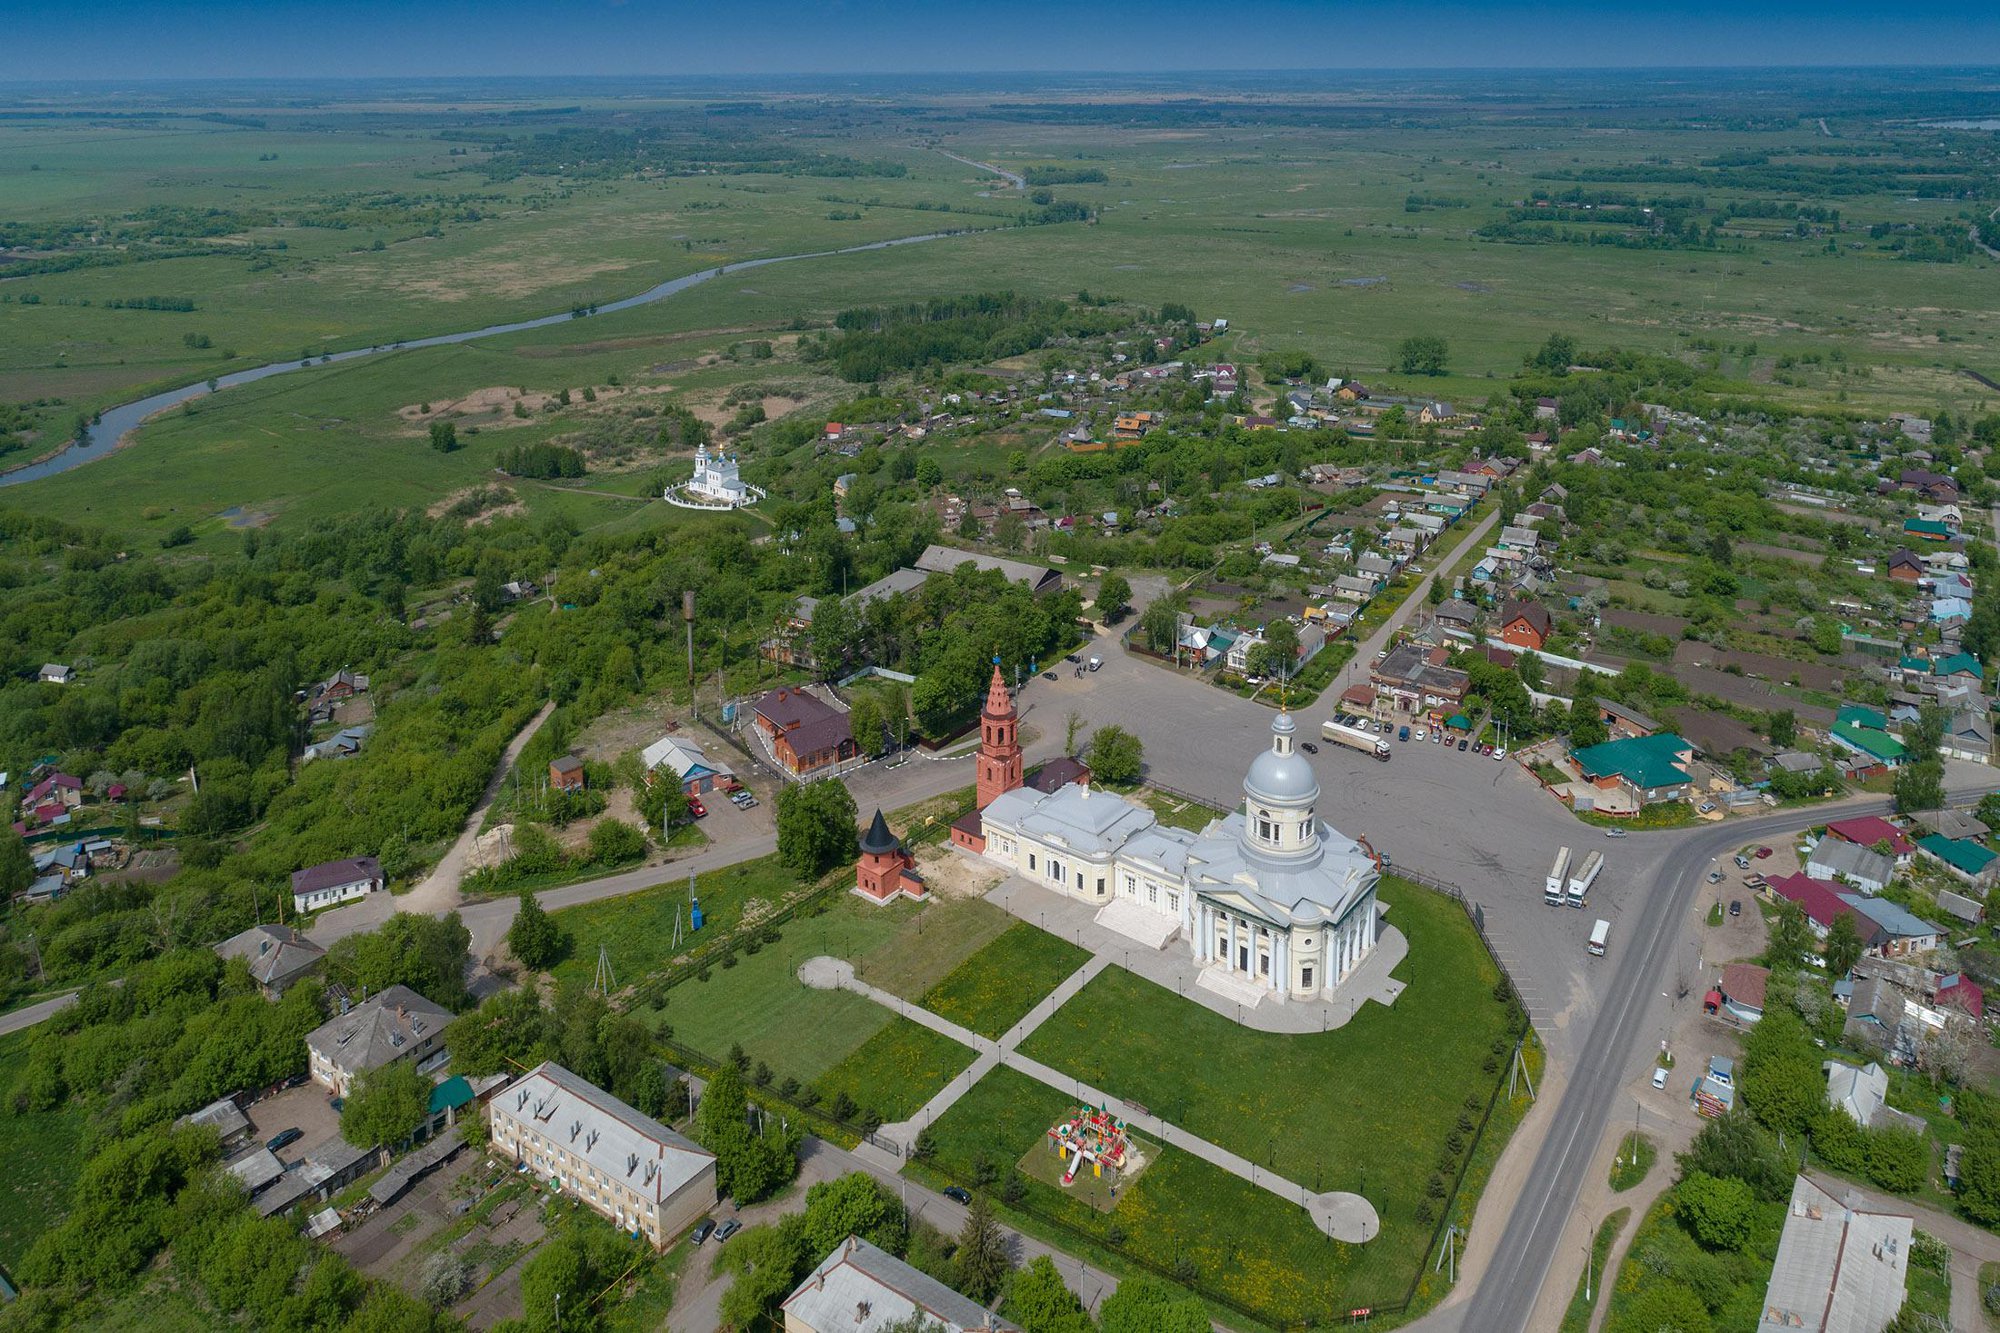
(1073, 658)
(1096, 662)
(1715, 877)
(1402, 733)
(1761, 853)
(727, 1229)
(285, 1138)
(1614, 833)
(1498, 754)
(696, 808)
(957, 1195)
(338, 1104)
(1659, 1076)
(1707, 808)
(1308, 747)
(298, 1080)
(1048, 675)
(704, 1231)
(1420, 733)
(1742, 862)
(1437, 737)
(1736, 907)
(1462, 745)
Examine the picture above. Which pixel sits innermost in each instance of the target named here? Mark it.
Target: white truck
(1354, 738)
(1558, 881)
(1586, 875)
(1600, 935)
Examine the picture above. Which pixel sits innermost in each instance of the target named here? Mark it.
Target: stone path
(1342, 1216)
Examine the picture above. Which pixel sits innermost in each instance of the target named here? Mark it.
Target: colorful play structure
(1093, 1135)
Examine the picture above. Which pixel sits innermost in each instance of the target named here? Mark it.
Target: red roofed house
(806, 733)
(1871, 830)
(1959, 991)
(886, 867)
(55, 789)
(1742, 989)
(1525, 625)
(1822, 903)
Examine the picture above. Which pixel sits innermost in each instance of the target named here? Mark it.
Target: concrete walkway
(1175, 969)
(1342, 1216)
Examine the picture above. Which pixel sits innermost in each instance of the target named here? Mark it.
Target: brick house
(1525, 625)
(806, 733)
(566, 773)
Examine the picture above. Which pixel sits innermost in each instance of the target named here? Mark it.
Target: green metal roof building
(1651, 768)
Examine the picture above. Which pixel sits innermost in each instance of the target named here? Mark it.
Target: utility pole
(687, 614)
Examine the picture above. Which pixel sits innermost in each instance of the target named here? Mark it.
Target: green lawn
(897, 1070)
(638, 928)
(804, 1033)
(1636, 1154)
(1241, 1239)
(1175, 812)
(1577, 1318)
(1311, 1106)
(43, 1150)
(992, 990)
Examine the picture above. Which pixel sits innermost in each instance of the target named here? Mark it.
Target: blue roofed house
(1947, 609)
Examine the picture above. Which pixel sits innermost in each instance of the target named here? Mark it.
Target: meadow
(1313, 227)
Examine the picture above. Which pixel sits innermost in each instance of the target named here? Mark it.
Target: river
(117, 422)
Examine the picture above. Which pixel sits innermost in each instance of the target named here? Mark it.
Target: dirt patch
(490, 848)
(1363, 282)
(240, 517)
(717, 413)
(509, 504)
(493, 408)
(954, 875)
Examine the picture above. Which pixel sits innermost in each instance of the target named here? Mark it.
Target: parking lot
(303, 1108)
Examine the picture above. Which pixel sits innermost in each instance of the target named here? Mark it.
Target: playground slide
(1075, 1165)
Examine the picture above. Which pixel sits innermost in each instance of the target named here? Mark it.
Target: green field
(897, 1070)
(809, 1035)
(1323, 231)
(995, 988)
(1313, 1109)
(43, 1151)
(1239, 1238)
(638, 928)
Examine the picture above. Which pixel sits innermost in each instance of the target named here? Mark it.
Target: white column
(1282, 963)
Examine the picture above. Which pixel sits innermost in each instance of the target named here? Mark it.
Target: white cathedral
(1269, 896)
(716, 484)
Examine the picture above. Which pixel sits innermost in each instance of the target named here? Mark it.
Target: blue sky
(128, 39)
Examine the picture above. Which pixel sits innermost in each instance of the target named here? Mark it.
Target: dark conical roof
(878, 839)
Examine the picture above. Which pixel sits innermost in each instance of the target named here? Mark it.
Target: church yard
(995, 988)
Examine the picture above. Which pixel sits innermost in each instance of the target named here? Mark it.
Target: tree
(17, 864)
(853, 1205)
(816, 822)
(1919, 786)
(1663, 1306)
(614, 842)
(1037, 1297)
(556, 1276)
(868, 721)
(444, 436)
(1072, 728)
(1718, 1210)
(1146, 1305)
(1114, 598)
(1161, 627)
(929, 474)
(1780, 1075)
(1555, 356)
(427, 954)
(748, 1166)
(1843, 947)
(766, 1261)
(980, 1263)
(1586, 720)
(1791, 937)
(535, 939)
(1782, 726)
(385, 1106)
(1115, 755)
(1422, 354)
(1736, 1146)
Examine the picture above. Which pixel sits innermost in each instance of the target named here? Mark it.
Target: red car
(696, 808)
(1762, 852)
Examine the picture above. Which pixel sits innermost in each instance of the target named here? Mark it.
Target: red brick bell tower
(999, 743)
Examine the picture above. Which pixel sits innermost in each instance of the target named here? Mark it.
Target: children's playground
(1091, 1155)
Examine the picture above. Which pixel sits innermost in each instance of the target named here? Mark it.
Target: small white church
(716, 484)
(1270, 895)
